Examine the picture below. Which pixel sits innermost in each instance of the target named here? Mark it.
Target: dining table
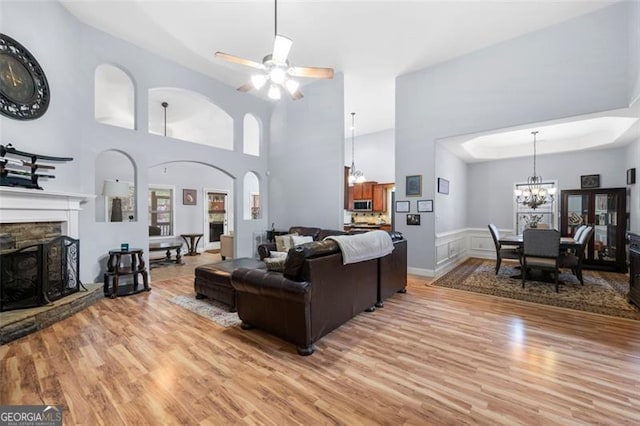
(566, 243)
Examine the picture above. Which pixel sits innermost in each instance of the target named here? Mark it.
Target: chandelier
(535, 194)
(355, 176)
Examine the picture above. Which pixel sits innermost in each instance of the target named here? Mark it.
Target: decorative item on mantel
(16, 171)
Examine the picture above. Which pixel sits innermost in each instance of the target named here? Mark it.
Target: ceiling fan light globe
(360, 179)
(277, 75)
(258, 80)
(274, 92)
(292, 86)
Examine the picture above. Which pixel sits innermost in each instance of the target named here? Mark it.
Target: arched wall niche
(251, 135)
(189, 116)
(251, 202)
(114, 97)
(110, 166)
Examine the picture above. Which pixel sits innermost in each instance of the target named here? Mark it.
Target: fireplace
(39, 274)
(40, 253)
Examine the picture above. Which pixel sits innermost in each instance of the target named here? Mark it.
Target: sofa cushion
(305, 230)
(301, 239)
(324, 233)
(275, 263)
(297, 256)
(284, 242)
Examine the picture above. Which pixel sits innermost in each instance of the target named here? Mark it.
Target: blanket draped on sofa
(365, 246)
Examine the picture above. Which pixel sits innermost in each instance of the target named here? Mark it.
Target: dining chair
(579, 231)
(574, 260)
(502, 252)
(541, 250)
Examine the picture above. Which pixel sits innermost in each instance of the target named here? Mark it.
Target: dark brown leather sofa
(318, 234)
(315, 294)
(392, 276)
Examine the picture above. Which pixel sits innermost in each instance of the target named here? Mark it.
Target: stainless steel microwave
(362, 205)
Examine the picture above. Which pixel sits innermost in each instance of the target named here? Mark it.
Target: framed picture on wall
(413, 185)
(403, 206)
(413, 219)
(443, 186)
(425, 205)
(631, 176)
(189, 197)
(589, 181)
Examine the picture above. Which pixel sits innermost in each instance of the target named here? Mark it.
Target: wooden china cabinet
(605, 210)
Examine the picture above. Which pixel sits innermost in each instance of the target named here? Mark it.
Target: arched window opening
(189, 116)
(251, 197)
(114, 97)
(115, 187)
(251, 130)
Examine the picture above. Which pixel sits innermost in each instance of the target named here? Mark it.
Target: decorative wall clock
(24, 91)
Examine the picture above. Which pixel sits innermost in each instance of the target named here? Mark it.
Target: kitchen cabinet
(634, 268)
(363, 191)
(379, 198)
(604, 210)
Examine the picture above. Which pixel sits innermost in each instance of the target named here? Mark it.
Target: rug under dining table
(602, 293)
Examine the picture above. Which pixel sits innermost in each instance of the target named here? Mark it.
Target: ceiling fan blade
(239, 60)
(311, 72)
(245, 87)
(296, 95)
(281, 48)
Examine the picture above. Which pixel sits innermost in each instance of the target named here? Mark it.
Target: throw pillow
(283, 242)
(297, 240)
(275, 263)
(278, 254)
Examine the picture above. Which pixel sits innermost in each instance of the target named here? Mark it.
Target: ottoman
(214, 280)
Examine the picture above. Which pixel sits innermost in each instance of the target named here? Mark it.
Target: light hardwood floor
(431, 356)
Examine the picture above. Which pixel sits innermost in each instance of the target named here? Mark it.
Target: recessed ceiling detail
(552, 139)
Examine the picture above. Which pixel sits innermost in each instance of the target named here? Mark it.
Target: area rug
(602, 293)
(210, 309)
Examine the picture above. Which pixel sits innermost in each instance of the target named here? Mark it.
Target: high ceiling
(370, 42)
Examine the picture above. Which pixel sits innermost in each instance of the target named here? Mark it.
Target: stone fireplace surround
(25, 206)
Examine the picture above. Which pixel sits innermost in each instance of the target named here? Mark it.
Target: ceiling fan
(276, 70)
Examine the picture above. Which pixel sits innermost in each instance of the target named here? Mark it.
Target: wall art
(189, 197)
(425, 205)
(413, 186)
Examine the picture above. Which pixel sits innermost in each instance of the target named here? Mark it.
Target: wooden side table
(166, 247)
(192, 241)
(115, 270)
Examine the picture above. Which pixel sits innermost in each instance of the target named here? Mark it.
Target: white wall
(306, 158)
(451, 212)
(632, 157)
(490, 183)
(375, 155)
(69, 53)
(574, 68)
(634, 51)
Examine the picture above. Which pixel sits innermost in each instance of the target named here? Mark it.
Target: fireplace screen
(39, 274)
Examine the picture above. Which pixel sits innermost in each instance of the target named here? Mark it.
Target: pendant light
(535, 194)
(164, 106)
(355, 176)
